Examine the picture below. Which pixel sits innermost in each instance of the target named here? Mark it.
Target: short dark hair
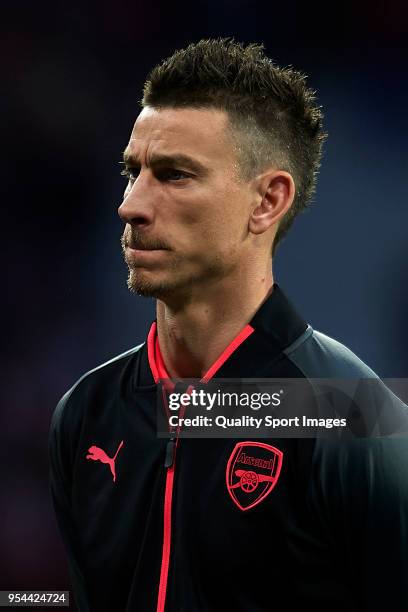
(273, 115)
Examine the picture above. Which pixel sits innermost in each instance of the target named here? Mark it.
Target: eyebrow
(161, 159)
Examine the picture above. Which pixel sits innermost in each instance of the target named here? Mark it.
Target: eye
(171, 174)
(130, 173)
(162, 174)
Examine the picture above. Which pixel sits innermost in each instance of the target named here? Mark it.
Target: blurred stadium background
(72, 78)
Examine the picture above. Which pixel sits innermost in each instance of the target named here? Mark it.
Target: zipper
(169, 464)
(171, 450)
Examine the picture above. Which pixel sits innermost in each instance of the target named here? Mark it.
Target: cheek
(213, 216)
(229, 215)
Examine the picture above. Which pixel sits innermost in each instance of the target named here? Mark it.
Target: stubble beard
(175, 285)
(138, 281)
(140, 285)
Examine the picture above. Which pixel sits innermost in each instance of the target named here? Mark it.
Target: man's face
(186, 209)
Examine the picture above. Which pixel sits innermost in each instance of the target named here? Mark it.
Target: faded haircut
(273, 115)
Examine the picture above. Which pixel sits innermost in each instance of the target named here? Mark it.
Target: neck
(194, 333)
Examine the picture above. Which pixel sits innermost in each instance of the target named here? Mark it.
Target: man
(221, 159)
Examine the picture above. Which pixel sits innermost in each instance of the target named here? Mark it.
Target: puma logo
(97, 454)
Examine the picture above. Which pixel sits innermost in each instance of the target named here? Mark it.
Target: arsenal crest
(252, 472)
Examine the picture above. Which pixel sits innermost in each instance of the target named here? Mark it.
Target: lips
(140, 247)
(131, 242)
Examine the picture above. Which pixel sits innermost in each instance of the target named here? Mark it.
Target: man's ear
(275, 195)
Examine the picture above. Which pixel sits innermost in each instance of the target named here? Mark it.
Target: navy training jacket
(151, 526)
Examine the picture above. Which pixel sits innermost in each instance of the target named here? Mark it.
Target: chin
(149, 288)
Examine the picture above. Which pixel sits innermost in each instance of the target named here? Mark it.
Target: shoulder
(95, 382)
(319, 356)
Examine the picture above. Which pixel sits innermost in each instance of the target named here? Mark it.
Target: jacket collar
(274, 327)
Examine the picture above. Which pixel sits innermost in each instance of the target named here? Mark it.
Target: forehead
(200, 133)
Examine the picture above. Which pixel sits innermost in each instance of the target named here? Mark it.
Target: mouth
(141, 257)
(138, 249)
(134, 246)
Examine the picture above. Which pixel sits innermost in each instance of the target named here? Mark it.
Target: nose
(136, 207)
